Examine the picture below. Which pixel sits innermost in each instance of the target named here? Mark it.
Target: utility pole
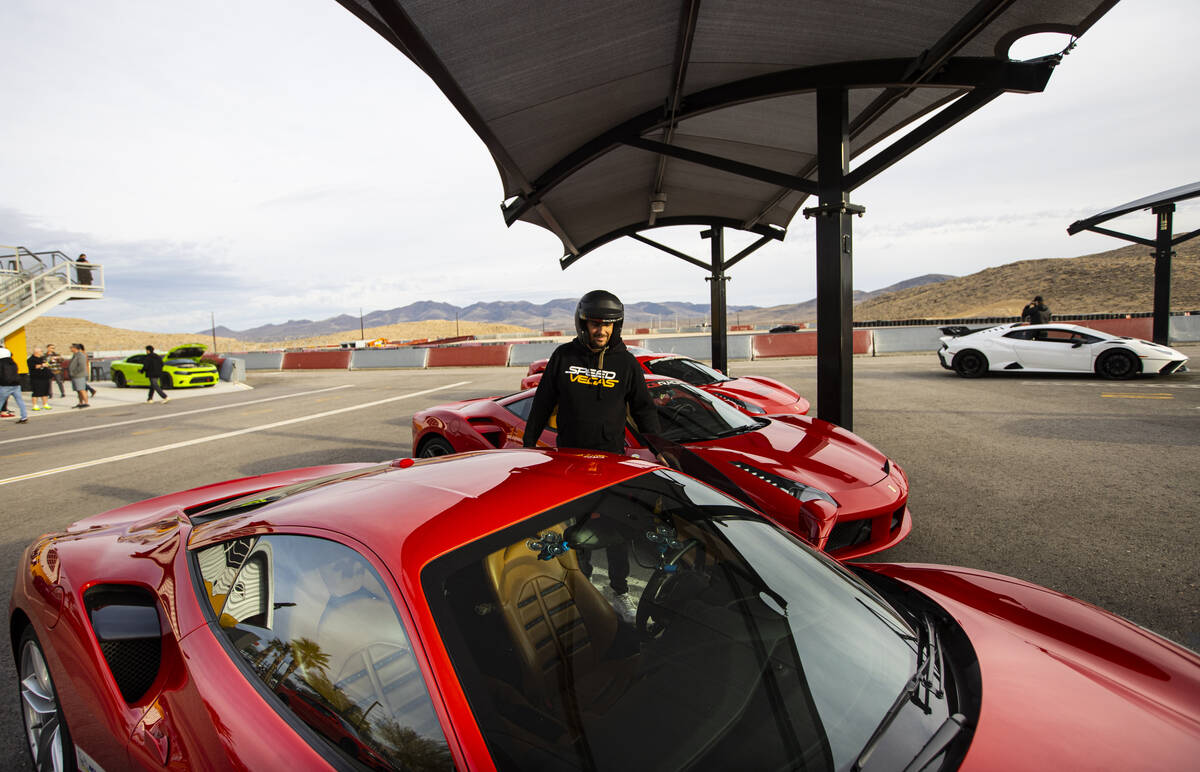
(362, 334)
(457, 334)
(212, 317)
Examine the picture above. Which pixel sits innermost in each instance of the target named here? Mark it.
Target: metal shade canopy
(613, 117)
(1163, 207)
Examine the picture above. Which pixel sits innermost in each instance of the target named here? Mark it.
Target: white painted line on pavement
(165, 416)
(224, 435)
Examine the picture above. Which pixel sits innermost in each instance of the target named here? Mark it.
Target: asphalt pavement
(1086, 486)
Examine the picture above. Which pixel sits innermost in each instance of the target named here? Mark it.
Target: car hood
(188, 351)
(1066, 685)
(801, 448)
(756, 390)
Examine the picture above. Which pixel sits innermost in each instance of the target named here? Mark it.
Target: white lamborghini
(1053, 348)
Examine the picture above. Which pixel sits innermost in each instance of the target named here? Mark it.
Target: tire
(46, 734)
(970, 363)
(118, 379)
(1118, 365)
(435, 446)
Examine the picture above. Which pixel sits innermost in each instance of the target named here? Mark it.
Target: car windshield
(733, 646)
(688, 370)
(690, 415)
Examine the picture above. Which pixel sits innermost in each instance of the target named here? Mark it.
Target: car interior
(700, 667)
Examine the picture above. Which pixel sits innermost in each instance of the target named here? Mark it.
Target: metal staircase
(31, 283)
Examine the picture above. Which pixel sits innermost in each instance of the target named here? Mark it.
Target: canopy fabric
(1181, 193)
(559, 91)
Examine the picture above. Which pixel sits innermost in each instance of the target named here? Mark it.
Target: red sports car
(437, 615)
(816, 479)
(752, 394)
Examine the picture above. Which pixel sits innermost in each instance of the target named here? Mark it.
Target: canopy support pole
(1165, 215)
(716, 288)
(835, 252)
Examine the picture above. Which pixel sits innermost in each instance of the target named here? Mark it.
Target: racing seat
(562, 628)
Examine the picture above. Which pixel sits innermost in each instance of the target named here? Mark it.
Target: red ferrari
(438, 615)
(752, 394)
(820, 481)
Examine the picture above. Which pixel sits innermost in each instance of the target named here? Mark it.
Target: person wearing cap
(1036, 312)
(593, 383)
(10, 383)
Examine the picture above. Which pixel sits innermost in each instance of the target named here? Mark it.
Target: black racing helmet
(599, 306)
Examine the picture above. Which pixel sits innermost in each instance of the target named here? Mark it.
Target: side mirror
(1077, 344)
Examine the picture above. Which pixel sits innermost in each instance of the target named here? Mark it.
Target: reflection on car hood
(801, 448)
(755, 390)
(1080, 687)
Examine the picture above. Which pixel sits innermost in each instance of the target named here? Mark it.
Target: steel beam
(835, 321)
(1164, 217)
(720, 342)
(955, 73)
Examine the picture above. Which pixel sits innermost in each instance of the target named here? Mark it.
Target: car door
(1053, 349)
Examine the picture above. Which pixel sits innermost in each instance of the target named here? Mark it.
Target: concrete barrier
(232, 369)
(262, 360)
(523, 354)
(737, 347)
(370, 358)
(1184, 329)
(802, 344)
(889, 340)
(468, 356)
(316, 360)
(1137, 327)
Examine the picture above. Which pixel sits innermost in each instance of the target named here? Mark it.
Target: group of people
(46, 368)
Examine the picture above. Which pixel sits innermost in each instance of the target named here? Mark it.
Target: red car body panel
(801, 448)
(774, 397)
(1088, 678)
(1062, 679)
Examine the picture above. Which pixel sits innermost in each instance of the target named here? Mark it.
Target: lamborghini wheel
(46, 731)
(970, 363)
(1118, 364)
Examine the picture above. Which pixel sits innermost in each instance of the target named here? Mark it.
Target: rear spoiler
(959, 330)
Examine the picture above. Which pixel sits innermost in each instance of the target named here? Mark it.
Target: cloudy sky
(276, 159)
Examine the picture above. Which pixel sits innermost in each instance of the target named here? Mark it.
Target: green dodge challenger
(181, 368)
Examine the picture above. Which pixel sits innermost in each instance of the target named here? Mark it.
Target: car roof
(411, 511)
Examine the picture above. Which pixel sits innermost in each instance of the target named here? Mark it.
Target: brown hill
(1120, 281)
(62, 331)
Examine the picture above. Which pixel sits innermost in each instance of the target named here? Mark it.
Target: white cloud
(278, 159)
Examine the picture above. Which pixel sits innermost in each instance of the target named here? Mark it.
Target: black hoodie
(593, 391)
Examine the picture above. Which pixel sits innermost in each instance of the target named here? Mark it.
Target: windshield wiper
(927, 652)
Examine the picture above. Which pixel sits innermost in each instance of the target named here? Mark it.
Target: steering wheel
(654, 607)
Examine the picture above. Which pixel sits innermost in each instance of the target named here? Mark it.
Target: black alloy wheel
(1118, 365)
(46, 733)
(970, 363)
(435, 446)
(118, 379)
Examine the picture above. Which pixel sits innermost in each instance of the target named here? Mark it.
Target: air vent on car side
(127, 625)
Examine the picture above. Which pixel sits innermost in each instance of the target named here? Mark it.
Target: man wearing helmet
(593, 382)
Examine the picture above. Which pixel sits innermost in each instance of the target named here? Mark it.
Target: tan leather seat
(561, 626)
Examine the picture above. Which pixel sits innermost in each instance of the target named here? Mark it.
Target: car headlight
(741, 404)
(797, 489)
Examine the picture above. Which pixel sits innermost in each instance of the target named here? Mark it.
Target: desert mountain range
(1118, 281)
